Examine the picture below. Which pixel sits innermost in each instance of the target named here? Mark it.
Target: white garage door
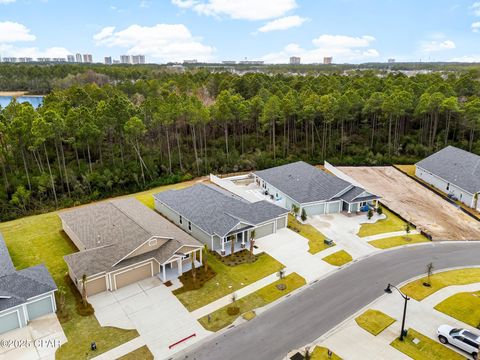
(264, 230)
(333, 207)
(9, 322)
(317, 209)
(39, 308)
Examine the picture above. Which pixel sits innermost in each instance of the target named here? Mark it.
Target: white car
(461, 338)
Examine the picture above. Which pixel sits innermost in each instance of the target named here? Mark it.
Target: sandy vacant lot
(415, 203)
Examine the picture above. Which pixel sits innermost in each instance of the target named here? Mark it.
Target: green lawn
(140, 354)
(321, 353)
(394, 241)
(426, 349)
(227, 280)
(418, 291)
(390, 224)
(374, 321)
(338, 258)
(39, 239)
(464, 306)
(220, 318)
(146, 197)
(407, 169)
(315, 237)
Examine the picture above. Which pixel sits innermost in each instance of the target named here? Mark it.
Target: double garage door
(131, 276)
(35, 309)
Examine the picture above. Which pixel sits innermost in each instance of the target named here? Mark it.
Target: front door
(239, 236)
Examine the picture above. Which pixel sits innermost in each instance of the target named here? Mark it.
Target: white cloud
(476, 26)
(165, 42)
(432, 46)
(11, 32)
(240, 9)
(8, 50)
(283, 23)
(7, 1)
(342, 48)
(476, 8)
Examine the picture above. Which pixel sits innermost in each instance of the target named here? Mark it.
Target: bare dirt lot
(428, 211)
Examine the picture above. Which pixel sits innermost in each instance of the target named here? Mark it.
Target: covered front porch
(241, 241)
(359, 206)
(179, 264)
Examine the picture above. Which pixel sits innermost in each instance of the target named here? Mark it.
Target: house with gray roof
(311, 189)
(25, 294)
(216, 217)
(122, 241)
(455, 172)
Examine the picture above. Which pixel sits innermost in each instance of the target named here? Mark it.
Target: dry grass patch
(394, 241)
(374, 321)
(140, 354)
(338, 259)
(321, 353)
(464, 306)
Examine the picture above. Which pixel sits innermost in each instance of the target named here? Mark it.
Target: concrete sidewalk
(389, 235)
(121, 350)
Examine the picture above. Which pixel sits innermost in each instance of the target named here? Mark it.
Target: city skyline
(219, 30)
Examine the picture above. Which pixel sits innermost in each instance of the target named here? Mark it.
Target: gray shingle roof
(113, 229)
(353, 195)
(19, 286)
(215, 210)
(456, 166)
(303, 182)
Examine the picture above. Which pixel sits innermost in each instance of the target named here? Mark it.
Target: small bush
(379, 210)
(304, 215)
(233, 310)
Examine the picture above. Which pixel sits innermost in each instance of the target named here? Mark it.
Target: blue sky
(272, 30)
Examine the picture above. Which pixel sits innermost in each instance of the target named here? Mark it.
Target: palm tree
(232, 244)
(252, 240)
(84, 290)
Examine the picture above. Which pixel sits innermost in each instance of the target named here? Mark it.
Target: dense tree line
(88, 141)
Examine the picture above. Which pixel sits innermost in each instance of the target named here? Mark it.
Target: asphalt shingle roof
(353, 195)
(215, 210)
(303, 182)
(19, 286)
(456, 166)
(112, 229)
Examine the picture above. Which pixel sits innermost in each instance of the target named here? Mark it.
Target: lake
(36, 101)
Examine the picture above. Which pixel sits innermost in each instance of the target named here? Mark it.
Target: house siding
(146, 247)
(440, 184)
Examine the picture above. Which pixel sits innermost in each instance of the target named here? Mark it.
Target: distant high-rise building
(25, 59)
(78, 58)
(44, 59)
(138, 59)
(294, 60)
(70, 58)
(59, 60)
(125, 59)
(327, 60)
(116, 61)
(87, 58)
(391, 60)
(10, 59)
(229, 62)
(192, 61)
(108, 60)
(251, 62)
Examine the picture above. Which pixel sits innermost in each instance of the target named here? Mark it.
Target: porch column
(200, 250)
(223, 245)
(244, 235)
(164, 273)
(349, 208)
(179, 263)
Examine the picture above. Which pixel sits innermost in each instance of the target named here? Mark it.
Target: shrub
(370, 214)
(379, 210)
(304, 215)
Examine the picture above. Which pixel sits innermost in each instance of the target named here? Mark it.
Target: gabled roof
(215, 210)
(111, 230)
(357, 194)
(456, 166)
(303, 182)
(16, 287)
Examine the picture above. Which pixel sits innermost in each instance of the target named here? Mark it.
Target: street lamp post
(388, 290)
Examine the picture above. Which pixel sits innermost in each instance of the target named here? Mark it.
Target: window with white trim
(189, 226)
(181, 219)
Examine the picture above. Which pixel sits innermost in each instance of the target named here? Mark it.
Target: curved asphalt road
(307, 315)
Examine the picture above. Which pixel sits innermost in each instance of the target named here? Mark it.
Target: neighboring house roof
(456, 166)
(16, 287)
(305, 183)
(356, 194)
(111, 230)
(217, 211)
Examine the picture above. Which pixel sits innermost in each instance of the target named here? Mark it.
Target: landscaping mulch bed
(238, 258)
(201, 277)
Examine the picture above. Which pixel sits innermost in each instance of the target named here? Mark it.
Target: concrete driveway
(152, 309)
(41, 338)
(291, 249)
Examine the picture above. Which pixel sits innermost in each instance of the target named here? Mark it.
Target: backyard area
(420, 206)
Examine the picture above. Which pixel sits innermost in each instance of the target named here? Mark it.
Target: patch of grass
(394, 241)
(249, 315)
(374, 321)
(338, 258)
(141, 353)
(426, 349)
(227, 280)
(464, 306)
(315, 237)
(39, 239)
(407, 169)
(321, 353)
(418, 291)
(146, 197)
(390, 224)
(220, 318)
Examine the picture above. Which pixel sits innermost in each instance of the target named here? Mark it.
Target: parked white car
(460, 338)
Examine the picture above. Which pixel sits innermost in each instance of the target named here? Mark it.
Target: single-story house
(215, 216)
(24, 294)
(455, 172)
(312, 189)
(121, 242)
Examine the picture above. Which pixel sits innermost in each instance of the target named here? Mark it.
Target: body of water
(36, 101)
